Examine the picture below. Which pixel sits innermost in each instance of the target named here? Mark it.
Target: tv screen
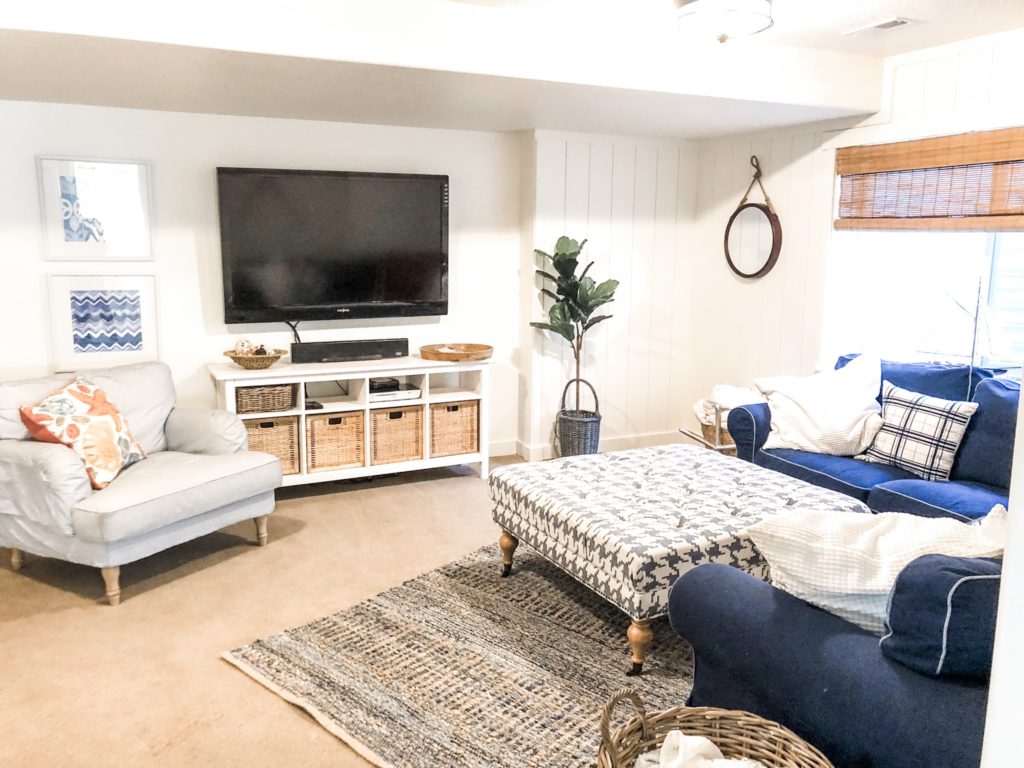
(318, 245)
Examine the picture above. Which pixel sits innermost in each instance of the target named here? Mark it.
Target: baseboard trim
(540, 452)
(502, 447)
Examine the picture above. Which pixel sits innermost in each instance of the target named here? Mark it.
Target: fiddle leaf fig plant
(575, 299)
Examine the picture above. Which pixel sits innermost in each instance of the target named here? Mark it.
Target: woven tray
(737, 734)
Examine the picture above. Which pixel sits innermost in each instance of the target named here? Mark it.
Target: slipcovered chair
(197, 477)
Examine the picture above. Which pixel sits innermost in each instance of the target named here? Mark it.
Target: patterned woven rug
(459, 667)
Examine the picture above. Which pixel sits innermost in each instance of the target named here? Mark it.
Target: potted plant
(575, 299)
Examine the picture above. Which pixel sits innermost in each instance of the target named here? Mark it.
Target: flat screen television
(319, 245)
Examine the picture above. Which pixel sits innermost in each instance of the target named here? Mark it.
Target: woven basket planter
(737, 734)
(578, 431)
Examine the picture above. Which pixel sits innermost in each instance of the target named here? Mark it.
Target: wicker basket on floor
(737, 734)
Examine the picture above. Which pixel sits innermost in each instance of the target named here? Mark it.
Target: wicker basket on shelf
(737, 734)
(334, 441)
(454, 428)
(396, 434)
(279, 437)
(278, 397)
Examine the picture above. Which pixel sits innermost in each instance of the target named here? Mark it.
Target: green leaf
(606, 290)
(552, 294)
(542, 326)
(594, 321)
(567, 245)
(539, 252)
(586, 270)
(548, 275)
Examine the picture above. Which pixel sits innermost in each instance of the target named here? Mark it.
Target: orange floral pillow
(80, 417)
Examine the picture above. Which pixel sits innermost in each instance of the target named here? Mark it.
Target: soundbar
(345, 351)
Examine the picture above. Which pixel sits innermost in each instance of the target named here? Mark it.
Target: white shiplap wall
(633, 200)
(745, 329)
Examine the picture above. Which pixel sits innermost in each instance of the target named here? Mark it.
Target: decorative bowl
(253, 362)
(456, 352)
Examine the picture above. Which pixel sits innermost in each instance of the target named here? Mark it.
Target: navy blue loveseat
(981, 471)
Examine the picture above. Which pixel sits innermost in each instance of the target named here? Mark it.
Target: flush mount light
(724, 19)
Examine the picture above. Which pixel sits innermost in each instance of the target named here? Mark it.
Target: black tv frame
(235, 315)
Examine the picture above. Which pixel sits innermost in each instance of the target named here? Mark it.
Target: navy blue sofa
(981, 471)
(759, 649)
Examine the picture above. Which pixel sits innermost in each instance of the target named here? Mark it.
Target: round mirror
(753, 239)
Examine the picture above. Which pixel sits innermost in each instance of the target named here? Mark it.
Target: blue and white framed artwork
(94, 210)
(101, 320)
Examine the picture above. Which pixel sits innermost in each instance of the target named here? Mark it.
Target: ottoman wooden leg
(639, 635)
(17, 559)
(111, 579)
(508, 544)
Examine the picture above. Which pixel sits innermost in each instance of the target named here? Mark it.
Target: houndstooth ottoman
(627, 524)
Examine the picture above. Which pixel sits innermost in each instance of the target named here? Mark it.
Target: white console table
(344, 388)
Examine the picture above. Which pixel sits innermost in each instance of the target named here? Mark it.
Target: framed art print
(99, 320)
(94, 210)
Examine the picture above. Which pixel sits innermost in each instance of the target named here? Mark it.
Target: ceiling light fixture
(724, 19)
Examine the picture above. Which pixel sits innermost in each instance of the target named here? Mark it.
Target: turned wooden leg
(639, 635)
(508, 544)
(111, 578)
(262, 537)
(17, 559)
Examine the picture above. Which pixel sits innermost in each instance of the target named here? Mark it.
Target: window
(927, 259)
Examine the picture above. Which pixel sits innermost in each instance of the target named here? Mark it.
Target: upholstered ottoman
(628, 524)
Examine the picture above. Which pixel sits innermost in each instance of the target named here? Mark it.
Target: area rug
(459, 667)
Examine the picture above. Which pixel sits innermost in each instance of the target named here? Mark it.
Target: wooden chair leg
(508, 544)
(639, 635)
(112, 579)
(262, 537)
(17, 559)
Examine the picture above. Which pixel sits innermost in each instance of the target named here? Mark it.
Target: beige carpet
(83, 684)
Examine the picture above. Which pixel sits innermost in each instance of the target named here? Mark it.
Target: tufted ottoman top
(627, 524)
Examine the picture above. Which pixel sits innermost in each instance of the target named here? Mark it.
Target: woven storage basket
(454, 428)
(708, 431)
(396, 434)
(278, 397)
(334, 441)
(737, 734)
(578, 431)
(278, 437)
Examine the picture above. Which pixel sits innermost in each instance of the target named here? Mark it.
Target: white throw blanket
(682, 751)
(727, 397)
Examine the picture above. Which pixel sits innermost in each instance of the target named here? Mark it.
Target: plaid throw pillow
(919, 433)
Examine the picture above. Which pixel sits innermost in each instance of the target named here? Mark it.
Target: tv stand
(454, 397)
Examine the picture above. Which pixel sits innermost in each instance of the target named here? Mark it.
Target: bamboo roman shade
(970, 181)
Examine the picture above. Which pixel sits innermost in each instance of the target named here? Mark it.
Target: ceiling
(600, 66)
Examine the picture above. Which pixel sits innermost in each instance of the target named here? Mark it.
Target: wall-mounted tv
(319, 245)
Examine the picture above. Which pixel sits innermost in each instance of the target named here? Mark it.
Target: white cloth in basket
(682, 751)
(727, 397)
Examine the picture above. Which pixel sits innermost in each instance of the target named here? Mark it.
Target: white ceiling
(602, 66)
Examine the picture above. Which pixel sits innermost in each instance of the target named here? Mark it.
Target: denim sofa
(762, 650)
(981, 472)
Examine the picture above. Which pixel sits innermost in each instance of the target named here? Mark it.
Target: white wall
(632, 199)
(744, 329)
(183, 150)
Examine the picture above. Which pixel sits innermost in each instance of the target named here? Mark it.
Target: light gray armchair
(197, 477)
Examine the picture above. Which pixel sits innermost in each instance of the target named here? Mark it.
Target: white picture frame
(98, 321)
(94, 210)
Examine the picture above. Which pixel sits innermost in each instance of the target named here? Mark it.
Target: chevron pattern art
(106, 321)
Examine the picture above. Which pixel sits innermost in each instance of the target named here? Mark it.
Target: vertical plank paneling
(619, 330)
(596, 352)
(641, 297)
(662, 279)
